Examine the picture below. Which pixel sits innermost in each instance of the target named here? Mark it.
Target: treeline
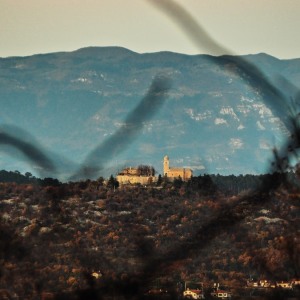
(17, 177)
(236, 184)
(206, 184)
(230, 184)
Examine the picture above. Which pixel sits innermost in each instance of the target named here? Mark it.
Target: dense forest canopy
(227, 229)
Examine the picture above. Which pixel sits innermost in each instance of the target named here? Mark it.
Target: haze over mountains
(213, 120)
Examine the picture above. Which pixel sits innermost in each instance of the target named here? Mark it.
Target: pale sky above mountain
(244, 26)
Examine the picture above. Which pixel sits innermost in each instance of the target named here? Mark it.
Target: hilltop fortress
(171, 173)
(133, 176)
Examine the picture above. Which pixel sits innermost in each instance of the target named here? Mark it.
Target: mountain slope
(214, 119)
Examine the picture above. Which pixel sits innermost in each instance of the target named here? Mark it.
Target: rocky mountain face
(215, 119)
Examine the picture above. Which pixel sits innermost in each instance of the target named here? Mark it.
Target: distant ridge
(213, 121)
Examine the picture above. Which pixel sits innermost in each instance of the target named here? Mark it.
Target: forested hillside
(53, 237)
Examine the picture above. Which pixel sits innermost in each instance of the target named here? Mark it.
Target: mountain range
(216, 118)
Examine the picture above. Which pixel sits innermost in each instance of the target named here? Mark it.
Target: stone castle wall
(131, 179)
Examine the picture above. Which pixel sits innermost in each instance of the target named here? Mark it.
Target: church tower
(166, 165)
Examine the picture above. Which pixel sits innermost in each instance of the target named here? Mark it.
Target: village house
(284, 284)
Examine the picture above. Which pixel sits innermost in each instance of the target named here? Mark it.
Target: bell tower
(166, 165)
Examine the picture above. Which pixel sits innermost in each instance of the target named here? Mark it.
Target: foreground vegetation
(88, 239)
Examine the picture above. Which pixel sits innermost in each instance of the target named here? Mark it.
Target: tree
(28, 175)
(177, 183)
(145, 170)
(112, 182)
(159, 180)
(100, 181)
(49, 181)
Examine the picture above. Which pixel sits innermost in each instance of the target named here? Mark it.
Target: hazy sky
(244, 26)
